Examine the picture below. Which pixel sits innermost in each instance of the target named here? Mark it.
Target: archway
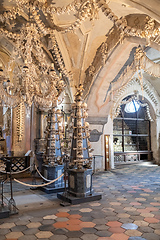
(131, 131)
(150, 99)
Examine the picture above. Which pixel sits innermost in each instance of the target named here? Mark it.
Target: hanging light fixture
(37, 80)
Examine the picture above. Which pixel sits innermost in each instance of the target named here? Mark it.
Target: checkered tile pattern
(129, 210)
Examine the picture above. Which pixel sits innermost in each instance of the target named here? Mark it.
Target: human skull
(58, 111)
(84, 105)
(79, 104)
(79, 124)
(86, 124)
(85, 114)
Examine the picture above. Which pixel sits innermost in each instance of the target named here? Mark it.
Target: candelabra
(80, 147)
(54, 137)
(53, 165)
(80, 168)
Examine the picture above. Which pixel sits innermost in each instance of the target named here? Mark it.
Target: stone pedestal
(79, 187)
(4, 212)
(51, 173)
(80, 182)
(39, 157)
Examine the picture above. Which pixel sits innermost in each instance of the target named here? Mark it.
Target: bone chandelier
(34, 77)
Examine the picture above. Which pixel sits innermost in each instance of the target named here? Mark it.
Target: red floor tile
(62, 214)
(114, 224)
(116, 230)
(155, 203)
(119, 236)
(151, 220)
(73, 222)
(74, 216)
(60, 224)
(87, 224)
(145, 210)
(152, 209)
(73, 227)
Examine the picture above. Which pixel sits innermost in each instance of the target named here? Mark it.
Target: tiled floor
(129, 210)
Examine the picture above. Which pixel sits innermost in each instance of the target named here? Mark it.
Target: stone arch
(151, 98)
(110, 71)
(148, 93)
(106, 52)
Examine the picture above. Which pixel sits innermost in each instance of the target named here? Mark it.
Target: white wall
(108, 130)
(155, 131)
(98, 149)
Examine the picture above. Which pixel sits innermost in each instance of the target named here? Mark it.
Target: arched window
(132, 107)
(131, 131)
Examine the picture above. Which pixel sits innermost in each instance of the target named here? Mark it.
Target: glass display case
(131, 136)
(143, 127)
(143, 143)
(117, 127)
(117, 143)
(130, 143)
(130, 126)
(131, 132)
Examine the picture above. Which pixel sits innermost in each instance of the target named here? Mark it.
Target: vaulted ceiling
(94, 40)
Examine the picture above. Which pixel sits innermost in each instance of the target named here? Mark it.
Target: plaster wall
(155, 142)
(98, 154)
(98, 146)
